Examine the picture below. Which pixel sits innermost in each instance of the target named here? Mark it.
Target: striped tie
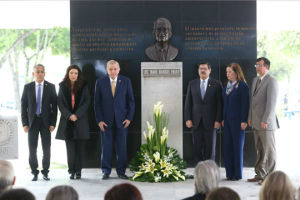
(202, 88)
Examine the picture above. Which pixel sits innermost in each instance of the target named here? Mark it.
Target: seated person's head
(277, 186)
(62, 192)
(124, 191)
(17, 194)
(207, 176)
(7, 175)
(222, 193)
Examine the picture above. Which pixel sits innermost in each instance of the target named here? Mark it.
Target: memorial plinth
(162, 81)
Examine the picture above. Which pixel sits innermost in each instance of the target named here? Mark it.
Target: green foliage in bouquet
(156, 162)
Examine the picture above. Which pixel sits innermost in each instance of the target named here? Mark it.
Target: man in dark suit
(203, 112)
(39, 113)
(114, 110)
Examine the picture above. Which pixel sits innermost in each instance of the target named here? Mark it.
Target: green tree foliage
(283, 50)
(31, 45)
(61, 43)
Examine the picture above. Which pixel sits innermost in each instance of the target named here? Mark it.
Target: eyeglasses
(258, 65)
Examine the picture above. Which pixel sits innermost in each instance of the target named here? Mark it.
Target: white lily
(162, 163)
(157, 178)
(167, 172)
(182, 177)
(137, 174)
(175, 177)
(157, 109)
(156, 156)
(163, 138)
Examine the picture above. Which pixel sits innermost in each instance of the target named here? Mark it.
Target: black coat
(196, 197)
(49, 104)
(209, 109)
(68, 129)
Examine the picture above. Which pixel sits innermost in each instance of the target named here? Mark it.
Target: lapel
(198, 90)
(32, 88)
(108, 85)
(118, 85)
(45, 91)
(263, 82)
(208, 88)
(254, 85)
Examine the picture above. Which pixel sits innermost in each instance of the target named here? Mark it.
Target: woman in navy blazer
(235, 116)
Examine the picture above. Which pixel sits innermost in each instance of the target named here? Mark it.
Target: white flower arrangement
(156, 162)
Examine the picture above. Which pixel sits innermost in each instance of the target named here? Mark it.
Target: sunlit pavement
(91, 187)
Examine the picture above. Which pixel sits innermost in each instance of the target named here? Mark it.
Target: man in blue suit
(114, 110)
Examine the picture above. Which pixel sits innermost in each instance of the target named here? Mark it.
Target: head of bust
(162, 30)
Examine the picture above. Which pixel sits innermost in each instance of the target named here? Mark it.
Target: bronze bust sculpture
(162, 51)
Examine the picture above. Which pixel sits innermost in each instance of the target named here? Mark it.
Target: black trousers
(204, 143)
(37, 128)
(74, 155)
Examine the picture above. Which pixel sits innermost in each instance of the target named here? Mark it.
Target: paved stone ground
(91, 187)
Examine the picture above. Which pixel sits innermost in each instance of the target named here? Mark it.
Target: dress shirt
(111, 80)
(261, 78)
(206, 81)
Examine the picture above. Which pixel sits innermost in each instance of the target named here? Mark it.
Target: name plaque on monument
(161, 72)
(162, 81)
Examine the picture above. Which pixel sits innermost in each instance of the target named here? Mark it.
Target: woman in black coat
(73, 102)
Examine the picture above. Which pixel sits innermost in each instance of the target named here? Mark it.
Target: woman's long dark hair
(78, 83)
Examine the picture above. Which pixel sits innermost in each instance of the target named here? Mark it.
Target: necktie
(257, 84)
(202, 89)
(38, 100)
(113, 88)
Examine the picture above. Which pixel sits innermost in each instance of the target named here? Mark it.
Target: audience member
(207, 177)
(277, 186)
(124, 191)
(62, 192)
(7, 175)
(17, 194)
(223, 193)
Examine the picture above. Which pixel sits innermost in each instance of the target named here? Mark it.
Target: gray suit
(262, 109)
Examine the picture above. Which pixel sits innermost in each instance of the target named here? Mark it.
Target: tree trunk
(15, 77)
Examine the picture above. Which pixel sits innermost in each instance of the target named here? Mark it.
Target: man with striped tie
(39, 114)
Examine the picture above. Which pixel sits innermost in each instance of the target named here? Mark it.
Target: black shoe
(35, 177)
(78, 176)
(45, 177)
(72, 176)
(189, 176)
(105, 176)
(123, 176)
